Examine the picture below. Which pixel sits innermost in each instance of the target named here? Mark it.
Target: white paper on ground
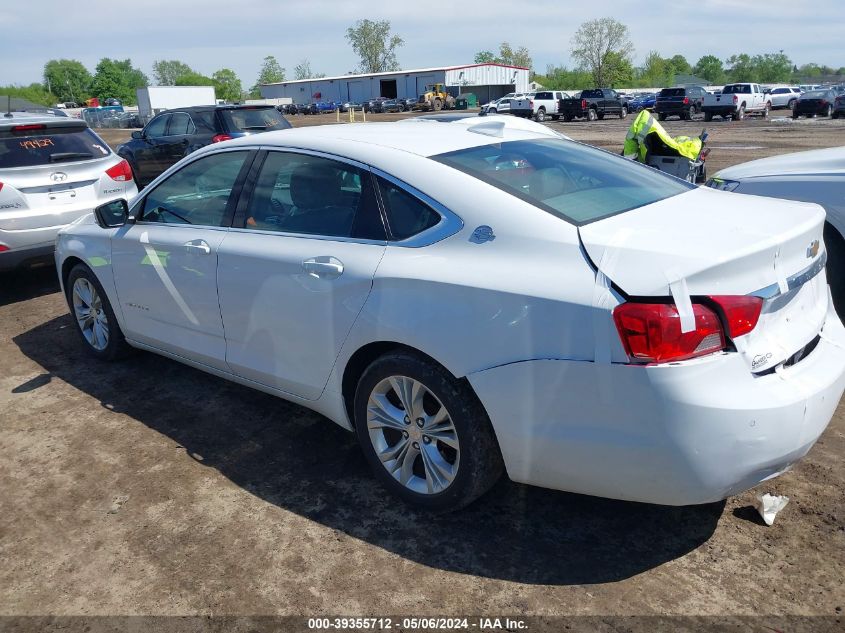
(769, 505)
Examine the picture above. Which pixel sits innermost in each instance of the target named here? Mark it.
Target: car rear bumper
(12, 259)
(719, 110)
(690, 433)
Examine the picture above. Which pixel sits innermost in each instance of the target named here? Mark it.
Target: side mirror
(112, 214)
(137, 135)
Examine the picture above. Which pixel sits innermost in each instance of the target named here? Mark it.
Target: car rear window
(577, 183)
(672, 92)
(814, 94)
(736, 90)
(254, 119)
(29, 145)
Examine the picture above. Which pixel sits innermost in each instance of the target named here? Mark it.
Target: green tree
(271, 72)
(741, 68)
(34, 93)
(118, 79)
(68, 79)
(710, 68)
(485, 57)
(507, 55)
(678, 65)
(618, 70)
(374, 45)
(194, 79)
(562, 78)
(655, 71)
(773, 67)
(227, 85)
(593, 43)
(167, 71)
(303, 71)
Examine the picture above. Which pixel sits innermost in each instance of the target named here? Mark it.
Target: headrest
(315, 186)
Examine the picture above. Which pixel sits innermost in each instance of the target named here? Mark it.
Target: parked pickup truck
(519, 106)
(592, 105)
(735, 101)
(545, 103)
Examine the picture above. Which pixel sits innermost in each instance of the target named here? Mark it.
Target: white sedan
(471, 295)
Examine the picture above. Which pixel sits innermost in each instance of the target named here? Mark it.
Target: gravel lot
(147, 487)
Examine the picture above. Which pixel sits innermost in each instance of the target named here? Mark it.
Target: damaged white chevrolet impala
(481, 295)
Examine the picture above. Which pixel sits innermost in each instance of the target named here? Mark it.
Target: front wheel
(791, 104)
(438, 105)
(424, 433)
(95, 320)
(830, 110)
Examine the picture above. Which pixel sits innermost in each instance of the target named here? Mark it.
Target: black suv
(172, 135)
(681, 102)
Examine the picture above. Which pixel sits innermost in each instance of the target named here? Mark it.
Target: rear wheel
(624, 112)
(740, 113)
(438, 105)
(567, 117)
(708, 116)
(424, 433)
(791, 104)
(591, 114)
(661, 116)
(541, 115)
(95, 320)
(766, 110)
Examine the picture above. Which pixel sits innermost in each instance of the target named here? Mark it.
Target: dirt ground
(147, 487)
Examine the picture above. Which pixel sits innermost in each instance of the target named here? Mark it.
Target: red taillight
(3, 247)
(736, 99)
(1, 186)
(686, 100)
(27, 128)
(219, 138)
(583, 104)
(741, 312)
(651, 332)
(120, 172)
(824, 102)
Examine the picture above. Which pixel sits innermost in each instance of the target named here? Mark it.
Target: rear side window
(577, 183)
(48, 145)
(204, 121)
(407, 215)
(254, 119)
(592, 94)
(543, 95)
(180, 124)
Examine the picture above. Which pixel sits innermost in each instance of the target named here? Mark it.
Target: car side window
(196, 194)
(407, 215)
(157, 127)
(300, 193)
(180, 124)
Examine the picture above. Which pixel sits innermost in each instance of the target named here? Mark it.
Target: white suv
(53, 170)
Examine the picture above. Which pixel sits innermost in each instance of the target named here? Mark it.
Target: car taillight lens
(219, 138)
(651, 332)
(1, 186)
(735, 99)
(121, 172)
(686, 100)
(741, 312)
(29, 128)
(824, 101)
(583, 104)
(3, 247)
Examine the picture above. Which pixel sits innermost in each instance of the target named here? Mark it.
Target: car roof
(368, 141)
(27, 118)
(817, 161)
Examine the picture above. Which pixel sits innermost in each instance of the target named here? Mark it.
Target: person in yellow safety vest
(644, 124)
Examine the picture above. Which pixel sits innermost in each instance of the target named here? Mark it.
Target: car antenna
(8, 114)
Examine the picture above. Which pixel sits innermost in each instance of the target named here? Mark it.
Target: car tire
(91, 310)
(492, 110)
(438, 105)
(661, 116)
(740, 113)
(766, 109)
(541, 115)
(835, 268)
(441, 472)
(555, 117)
(623, 113)
(592, 115)
(567, 118)
(708, 116)
(795, 115)
(601, 116)
(791, 104)
(830, 111)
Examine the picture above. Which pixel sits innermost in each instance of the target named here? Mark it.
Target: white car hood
(717, 242)
(817, 161)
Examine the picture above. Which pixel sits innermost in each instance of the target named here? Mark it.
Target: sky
(212, 34)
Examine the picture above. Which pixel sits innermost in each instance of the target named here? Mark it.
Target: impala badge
(482, 234)
(813, 249)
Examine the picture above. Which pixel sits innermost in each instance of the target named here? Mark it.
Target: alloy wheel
(413, 435)
(90, 314)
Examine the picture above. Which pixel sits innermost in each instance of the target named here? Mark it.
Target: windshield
(576, 182)
(246, 119)
(45, 145)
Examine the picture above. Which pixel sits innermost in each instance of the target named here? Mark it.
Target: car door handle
(323, 267)
(198, 246)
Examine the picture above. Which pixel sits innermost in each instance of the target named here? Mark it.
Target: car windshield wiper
(60, 156)
(254, 127)
(161, 210)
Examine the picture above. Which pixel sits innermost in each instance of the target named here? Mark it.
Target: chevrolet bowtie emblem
(813, 249)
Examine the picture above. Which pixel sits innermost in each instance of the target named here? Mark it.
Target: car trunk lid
(708, 243)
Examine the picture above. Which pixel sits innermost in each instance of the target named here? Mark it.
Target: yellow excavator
(435, 98)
